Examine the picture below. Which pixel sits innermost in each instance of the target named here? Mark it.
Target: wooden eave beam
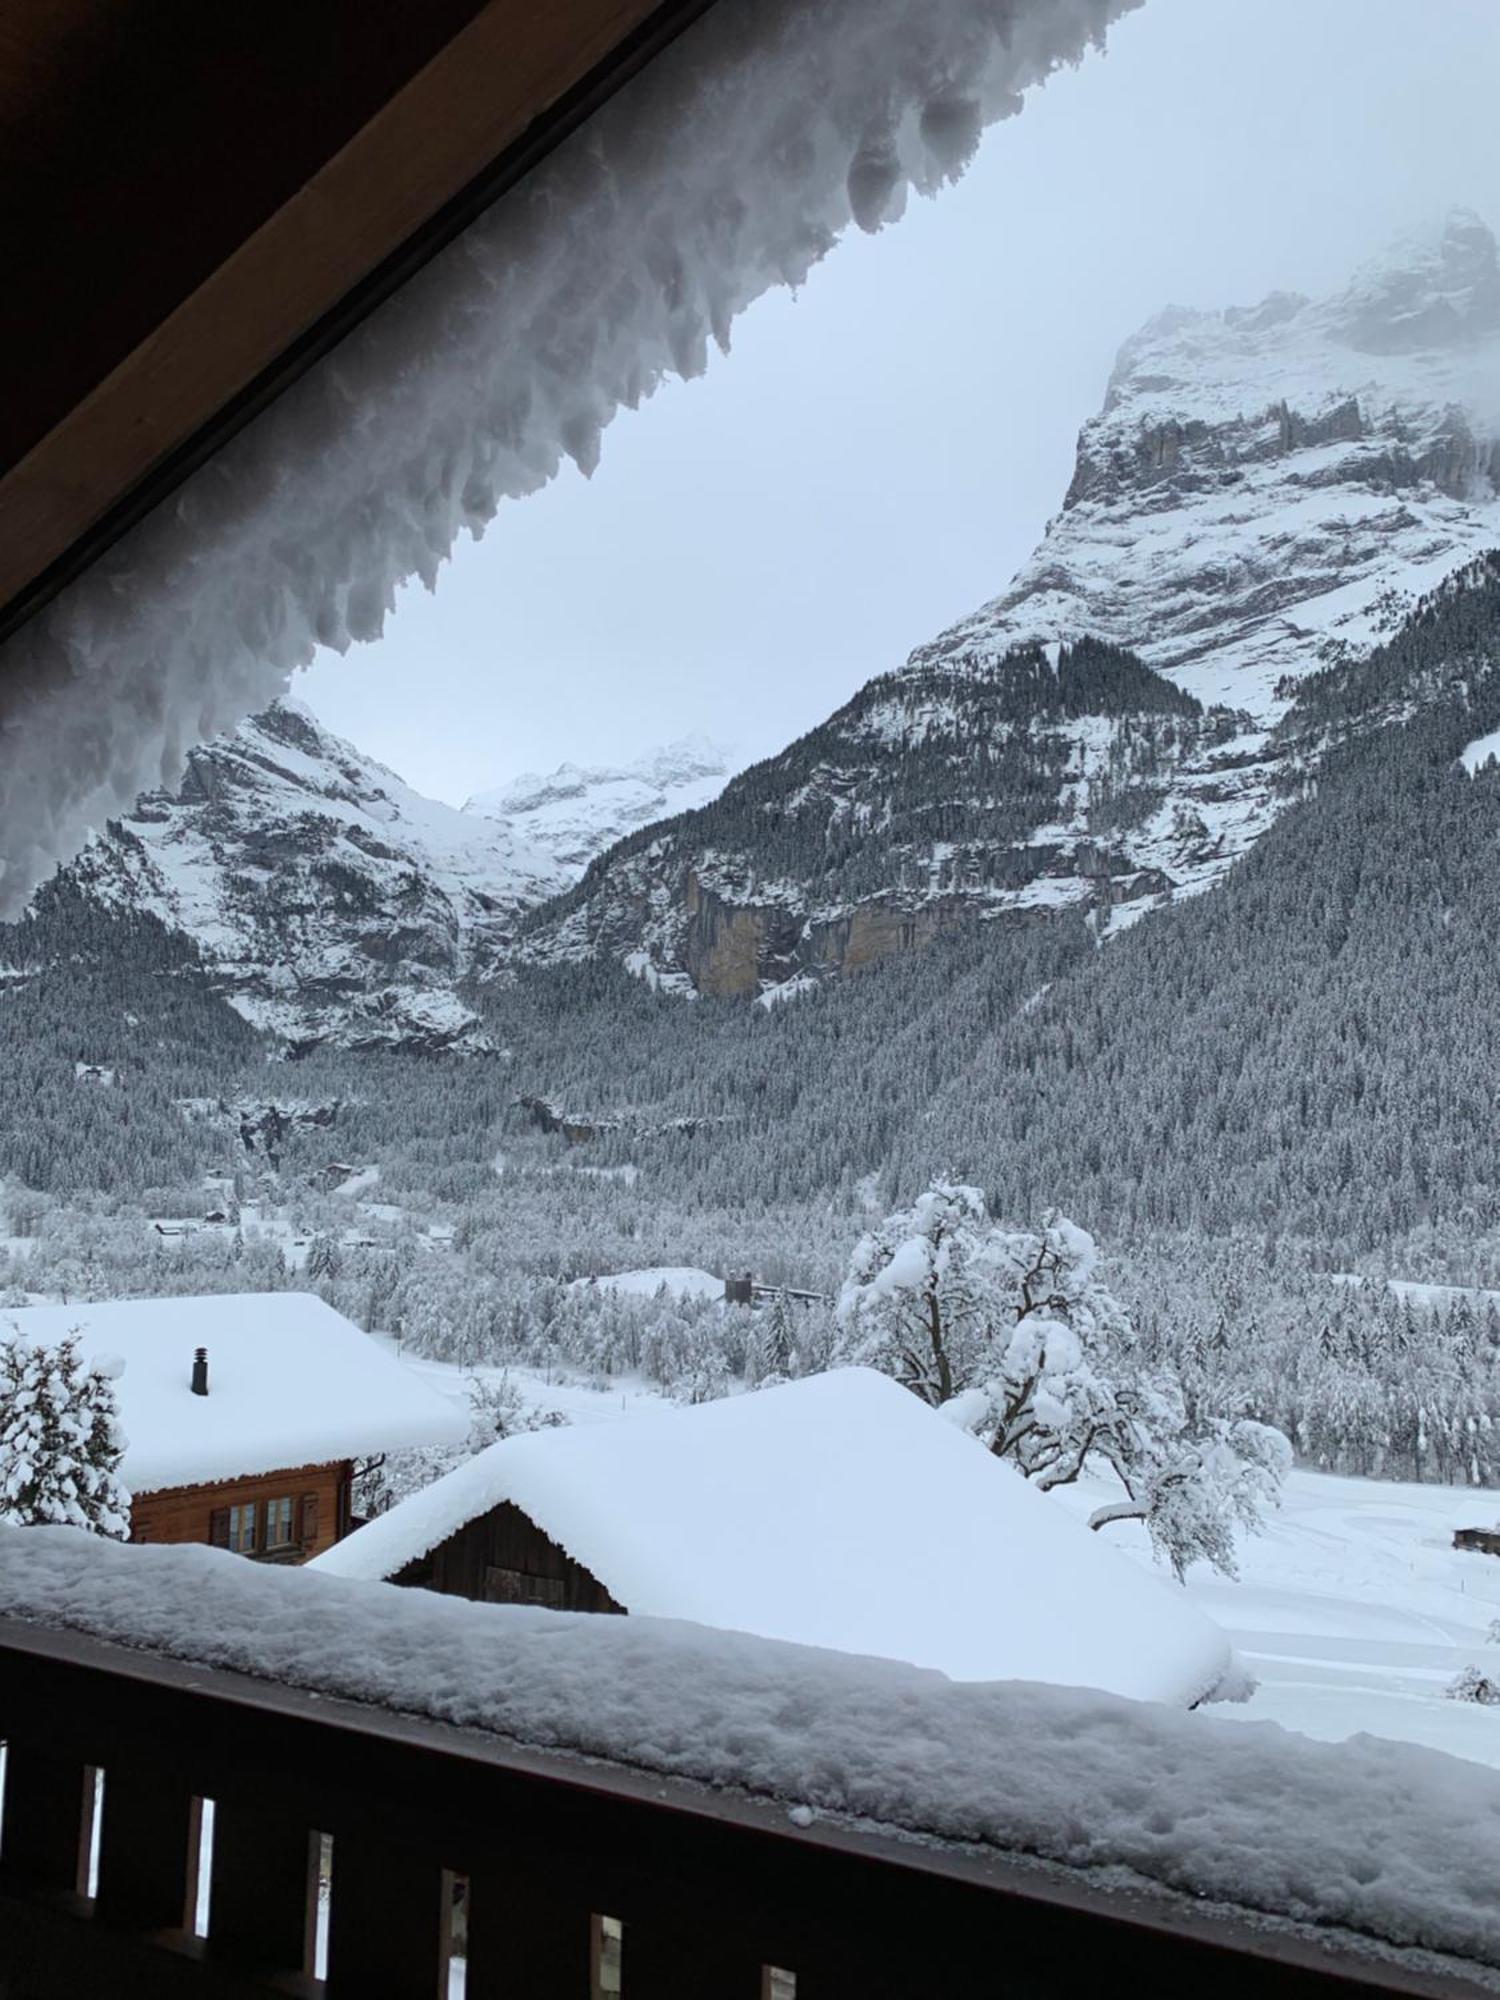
(510, 82)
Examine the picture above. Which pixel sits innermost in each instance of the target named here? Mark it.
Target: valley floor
(1353, 1610)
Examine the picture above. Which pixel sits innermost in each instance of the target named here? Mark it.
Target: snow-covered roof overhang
(199, 207)
(730, 163)
(291, 1383)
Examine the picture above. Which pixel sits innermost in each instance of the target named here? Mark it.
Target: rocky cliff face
(1267, 488)
(1266, 492)
(1067, 777)
(329, 901)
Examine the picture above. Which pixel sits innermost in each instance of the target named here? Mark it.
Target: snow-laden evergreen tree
(60, 1438)
(1013, 1329)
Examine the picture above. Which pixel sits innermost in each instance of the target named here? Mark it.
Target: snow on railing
(731, 165)
(1391, 1842)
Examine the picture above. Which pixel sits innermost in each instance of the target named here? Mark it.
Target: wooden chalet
(245, 1415)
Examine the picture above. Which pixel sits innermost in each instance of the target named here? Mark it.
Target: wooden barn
(837, 1511)
(245, 1415)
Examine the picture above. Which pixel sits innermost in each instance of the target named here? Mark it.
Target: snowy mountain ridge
(329, 901)
(1261, 481)
(1264, 495)
(1266, 492)
(577, 811)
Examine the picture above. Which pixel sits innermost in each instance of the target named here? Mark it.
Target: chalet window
(242, 1529)
(280, 1515)
(519, 1586)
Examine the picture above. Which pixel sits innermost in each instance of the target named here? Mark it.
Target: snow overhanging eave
(730, 165)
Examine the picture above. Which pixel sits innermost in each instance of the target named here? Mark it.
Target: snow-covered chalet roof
(291, 1382)
(838, 1511)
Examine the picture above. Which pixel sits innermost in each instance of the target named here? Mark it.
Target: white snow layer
(1381, 1838)
(730, 166)
(679, 1281)
(290, 1383)
(839, 1511)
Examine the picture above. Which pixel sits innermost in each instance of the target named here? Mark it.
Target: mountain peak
(1436, 286)
(576, 811)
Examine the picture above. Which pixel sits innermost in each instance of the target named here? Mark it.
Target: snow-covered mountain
(577, 811)
(1262, 483)
(330, 902)
(1267, 491)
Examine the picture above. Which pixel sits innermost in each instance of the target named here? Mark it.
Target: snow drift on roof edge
(837, 1511)
(730, 166)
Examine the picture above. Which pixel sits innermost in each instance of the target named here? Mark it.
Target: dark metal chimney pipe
(200, 1371)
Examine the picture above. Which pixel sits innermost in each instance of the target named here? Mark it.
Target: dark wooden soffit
(200, 197)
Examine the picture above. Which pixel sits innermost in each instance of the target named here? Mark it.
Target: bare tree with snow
(1013, 1330)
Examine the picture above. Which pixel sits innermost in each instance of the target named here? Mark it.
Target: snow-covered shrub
(1013, 1329)
(497, 1409)
(1473, 1685)
(60, 1438)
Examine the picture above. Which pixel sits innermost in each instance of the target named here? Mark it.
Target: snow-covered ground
(679, 1281)
(1355, 1612)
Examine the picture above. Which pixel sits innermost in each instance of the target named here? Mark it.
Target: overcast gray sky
(879, 454)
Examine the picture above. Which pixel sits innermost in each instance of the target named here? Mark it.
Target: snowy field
(1353, 1610)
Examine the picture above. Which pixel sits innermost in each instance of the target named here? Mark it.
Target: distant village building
(245, 1414)
(838, 1511)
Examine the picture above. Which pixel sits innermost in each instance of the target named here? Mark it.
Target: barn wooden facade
(503, 1557)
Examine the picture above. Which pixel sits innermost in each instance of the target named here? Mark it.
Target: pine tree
(60, 1438)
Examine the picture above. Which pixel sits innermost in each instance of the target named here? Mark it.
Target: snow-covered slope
(1266, 492)
(576, 812)
(330, 901)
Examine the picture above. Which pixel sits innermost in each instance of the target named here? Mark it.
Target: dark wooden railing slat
(531, 1936)
(710, 1886)
(389, 1917)
(48, 1822)
(262, 1908)
(686, 1961)
(148, 1852)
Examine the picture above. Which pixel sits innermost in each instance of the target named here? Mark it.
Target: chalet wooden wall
(185, 1513)
(504, 1558)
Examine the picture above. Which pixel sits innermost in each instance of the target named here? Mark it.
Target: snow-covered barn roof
(838, 1511)
(291, 1382)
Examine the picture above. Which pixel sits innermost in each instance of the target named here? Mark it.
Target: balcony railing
(712, 1890)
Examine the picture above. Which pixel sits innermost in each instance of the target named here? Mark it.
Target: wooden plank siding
(503, 1557)
(319, 1495)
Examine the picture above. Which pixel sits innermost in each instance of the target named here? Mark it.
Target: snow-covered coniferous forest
(1091, 1024)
